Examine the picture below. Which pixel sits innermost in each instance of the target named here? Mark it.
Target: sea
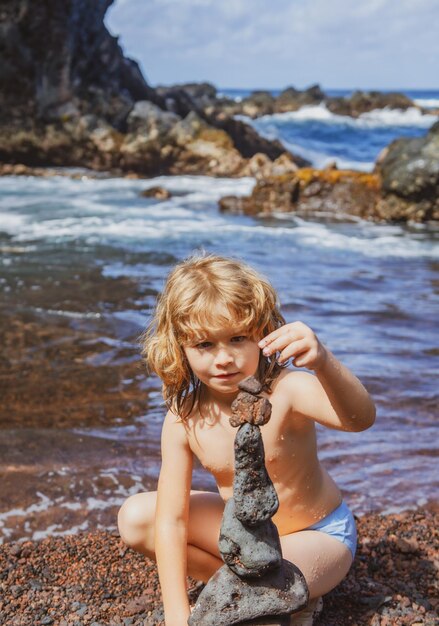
(370, 292)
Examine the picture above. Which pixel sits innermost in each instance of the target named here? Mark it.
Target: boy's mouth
(225, 376)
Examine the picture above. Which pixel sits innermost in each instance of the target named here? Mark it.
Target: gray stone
(248, 552)
(227, 599)
(255, 496)
(250, 385)
(151, 120)
(268, 621)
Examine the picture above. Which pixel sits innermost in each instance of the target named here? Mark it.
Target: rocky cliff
(69, 97)
(56, 57)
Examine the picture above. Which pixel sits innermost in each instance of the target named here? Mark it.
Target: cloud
(382, 43)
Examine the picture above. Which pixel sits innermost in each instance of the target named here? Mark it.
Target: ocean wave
(321, 160)
(427, 103)
(193, 220)
(377, 118)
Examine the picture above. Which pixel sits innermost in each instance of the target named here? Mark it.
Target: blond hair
(206, 293)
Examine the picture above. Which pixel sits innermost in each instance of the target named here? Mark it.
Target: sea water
(368, 290)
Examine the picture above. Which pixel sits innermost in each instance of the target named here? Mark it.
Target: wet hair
(204, 294)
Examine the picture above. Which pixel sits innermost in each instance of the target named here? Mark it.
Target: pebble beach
(93, 579)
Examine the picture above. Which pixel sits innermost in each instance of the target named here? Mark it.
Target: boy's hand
(297, 342)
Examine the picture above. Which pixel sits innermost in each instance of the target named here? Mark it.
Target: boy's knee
(135, 521)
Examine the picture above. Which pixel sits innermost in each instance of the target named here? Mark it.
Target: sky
(382, 44)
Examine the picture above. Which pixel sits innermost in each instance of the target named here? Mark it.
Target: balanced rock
(248, 552)
(227, 599)
(249, 408)
(254, 493)
(250, 385)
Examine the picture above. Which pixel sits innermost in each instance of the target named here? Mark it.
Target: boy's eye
(203, 345)
(239, 338)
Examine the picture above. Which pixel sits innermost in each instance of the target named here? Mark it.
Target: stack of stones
(256, 585)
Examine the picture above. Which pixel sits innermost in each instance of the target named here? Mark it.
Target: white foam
(373, 119)
(11, 223)
(53, 531)
(73, 314)
(321, 160)
(427, 103)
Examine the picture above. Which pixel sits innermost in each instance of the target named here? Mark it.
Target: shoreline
(92, 578)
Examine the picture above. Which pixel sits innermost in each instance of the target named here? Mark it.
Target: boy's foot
(308, 615)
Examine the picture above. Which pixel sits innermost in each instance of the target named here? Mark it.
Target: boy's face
(221, 360)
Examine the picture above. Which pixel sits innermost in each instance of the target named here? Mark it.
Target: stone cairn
(256, 585)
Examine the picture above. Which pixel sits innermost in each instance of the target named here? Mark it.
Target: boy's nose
(223, 357)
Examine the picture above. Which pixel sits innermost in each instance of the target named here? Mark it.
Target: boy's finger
(271, 337)
(277, 344)
(293, 350)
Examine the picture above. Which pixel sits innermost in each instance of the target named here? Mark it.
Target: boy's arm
(333, 397)
(171, 522)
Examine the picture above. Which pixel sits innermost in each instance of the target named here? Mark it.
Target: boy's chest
(213, 443)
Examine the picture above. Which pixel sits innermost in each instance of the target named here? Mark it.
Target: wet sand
(94, 579)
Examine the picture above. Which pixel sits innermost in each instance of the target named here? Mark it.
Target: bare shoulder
(302, 393)
(294, 384)
(174, 431)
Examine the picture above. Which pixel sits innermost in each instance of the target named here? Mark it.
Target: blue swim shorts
(341, 525)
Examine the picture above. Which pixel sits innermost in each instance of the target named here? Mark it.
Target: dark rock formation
(227, 599)
(409, 170)
(292, 99)
(404, 187)
(69, 97)
(248, 552)
(308, 192)
(256, 586)
(158, 193)
(254, 494)
(364, 101)
(182, 99)
(54, 54)
(261, 103)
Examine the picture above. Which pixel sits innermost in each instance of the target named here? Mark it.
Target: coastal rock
(172, 145)
(409, 169)
(53, 52)
(255, 496)
(69, 97)
(249, 553)
(227, 598)
(151, 121)
(292, 99)
(249, 143)
(184, 98)
(260, 166)
(328, 194)
(364, 101)
(260, 103)
(159, 193)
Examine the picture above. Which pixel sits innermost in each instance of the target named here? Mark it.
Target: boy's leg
(323, 560)
(136, 527)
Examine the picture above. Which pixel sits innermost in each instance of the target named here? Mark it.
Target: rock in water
(255, 496)
(248, 552)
